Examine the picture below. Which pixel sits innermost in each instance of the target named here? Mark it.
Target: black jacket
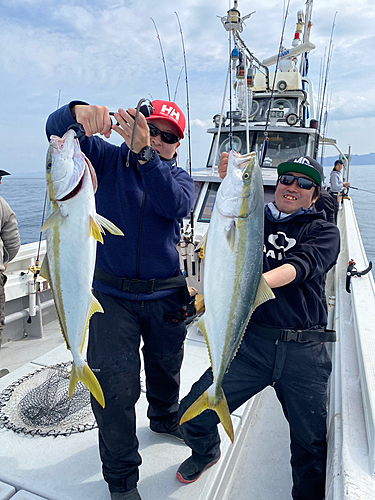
(325, 202)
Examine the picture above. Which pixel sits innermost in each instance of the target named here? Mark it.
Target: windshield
(281, 145)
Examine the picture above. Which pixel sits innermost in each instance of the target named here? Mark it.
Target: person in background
(284, 343)
(137, 277)
(336, 183)
(9, 246)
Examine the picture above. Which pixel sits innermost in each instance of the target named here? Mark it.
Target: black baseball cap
(303, 165)
(2, 173)
(339, 162)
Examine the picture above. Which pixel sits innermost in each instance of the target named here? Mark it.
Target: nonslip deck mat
(38, 404)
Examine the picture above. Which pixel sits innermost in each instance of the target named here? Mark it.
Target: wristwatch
(146, 154)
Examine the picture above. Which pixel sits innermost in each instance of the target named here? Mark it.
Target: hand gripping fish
(72, 229)
(233, 282)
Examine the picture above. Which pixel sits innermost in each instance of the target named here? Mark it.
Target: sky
(107, 53)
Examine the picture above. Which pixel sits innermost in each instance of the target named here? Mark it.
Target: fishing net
(38, 404)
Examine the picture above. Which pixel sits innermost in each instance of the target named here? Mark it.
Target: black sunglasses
(303, 183)
(165, 136)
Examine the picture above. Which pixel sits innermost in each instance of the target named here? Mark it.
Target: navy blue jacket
(146, 202)
(310, 244)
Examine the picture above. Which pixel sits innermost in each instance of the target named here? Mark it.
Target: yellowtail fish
(72, 229)
(233, 283)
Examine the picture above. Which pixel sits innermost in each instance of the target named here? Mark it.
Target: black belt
(320, 335)
(139, 286)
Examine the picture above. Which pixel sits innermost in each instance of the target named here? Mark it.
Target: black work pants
(113, 355)
(336, 204)
(299, 373)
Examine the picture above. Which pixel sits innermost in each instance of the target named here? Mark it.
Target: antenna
(265, 141)
(187, 92)
(329, 57)
(162, 58)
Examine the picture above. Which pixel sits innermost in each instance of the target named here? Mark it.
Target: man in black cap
(284, 342)
(9, 246)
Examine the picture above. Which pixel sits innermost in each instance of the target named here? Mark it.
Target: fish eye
(246, 176)
(49, 165)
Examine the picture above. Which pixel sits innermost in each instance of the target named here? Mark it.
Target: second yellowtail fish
(233, 281)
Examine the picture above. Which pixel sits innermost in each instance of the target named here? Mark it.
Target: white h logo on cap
(170, 111)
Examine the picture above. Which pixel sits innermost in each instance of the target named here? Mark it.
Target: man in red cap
(137, 278)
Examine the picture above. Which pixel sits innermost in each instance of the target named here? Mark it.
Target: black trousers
(299, 373)
(113, 355)
(336, 204)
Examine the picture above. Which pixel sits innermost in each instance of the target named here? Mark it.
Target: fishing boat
(275, 115)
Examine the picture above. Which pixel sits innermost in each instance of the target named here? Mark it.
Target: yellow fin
(202, 327)
(221, 408)
(95, 306)
(264, 293)
(96, 230)
(230, 235)
(53, 220)
(85, 375)
(103, 222)
(44, 270)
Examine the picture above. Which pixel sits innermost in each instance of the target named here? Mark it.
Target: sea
(26, 196)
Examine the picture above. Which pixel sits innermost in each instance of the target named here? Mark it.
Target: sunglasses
(303, 183)
(165, 136)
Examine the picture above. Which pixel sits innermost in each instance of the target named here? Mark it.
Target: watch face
(146, 154)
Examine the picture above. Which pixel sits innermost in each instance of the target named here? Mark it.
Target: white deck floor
(256, 467)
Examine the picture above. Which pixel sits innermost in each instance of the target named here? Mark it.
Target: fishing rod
(178, 81)
(162, 58)
(360, 189)
(329, 57)
(265, 141)
(187, 92)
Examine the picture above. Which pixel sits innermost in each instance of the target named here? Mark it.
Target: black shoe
(176, 433)
(126, 495)
(191, 470)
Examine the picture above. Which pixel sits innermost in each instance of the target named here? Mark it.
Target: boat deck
(69, 468)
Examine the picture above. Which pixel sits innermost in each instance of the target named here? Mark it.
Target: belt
(138, 286)
(320, 335)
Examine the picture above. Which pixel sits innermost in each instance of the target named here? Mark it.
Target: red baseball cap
(169, 111)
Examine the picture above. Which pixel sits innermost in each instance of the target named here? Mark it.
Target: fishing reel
(353, 272)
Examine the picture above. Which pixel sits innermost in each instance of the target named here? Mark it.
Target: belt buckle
(150, 285)
(288, 335)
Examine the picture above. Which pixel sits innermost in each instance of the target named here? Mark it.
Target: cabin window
(208, 203)
(281, 145)
(198, 185)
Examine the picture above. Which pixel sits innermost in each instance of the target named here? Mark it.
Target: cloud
(108, 53)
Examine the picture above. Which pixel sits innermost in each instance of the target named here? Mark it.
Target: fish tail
(220, 406)
(85, 375)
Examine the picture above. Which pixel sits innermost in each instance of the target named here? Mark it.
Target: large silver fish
(233, 282)
(72, 229)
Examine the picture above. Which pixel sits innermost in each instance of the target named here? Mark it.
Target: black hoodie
(311, 245)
